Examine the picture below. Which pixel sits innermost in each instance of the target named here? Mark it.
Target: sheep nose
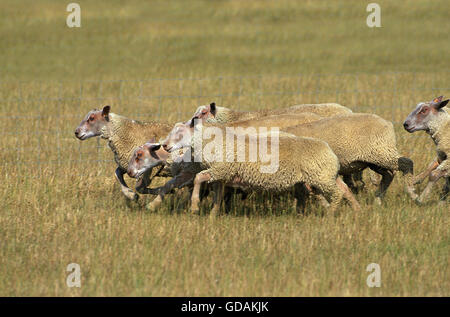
(406, 124)
(76, 132)
(164, 146)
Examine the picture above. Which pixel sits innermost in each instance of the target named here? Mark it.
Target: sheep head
(146, 157)
(179, 137)
(424, 114)
(93, 123)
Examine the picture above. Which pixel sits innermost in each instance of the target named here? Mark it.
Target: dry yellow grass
(61, 204)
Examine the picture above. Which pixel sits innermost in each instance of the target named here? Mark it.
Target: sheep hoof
(151, 207)
(195, 211)
(131, 195)
(442, 203)
(418, 201)
(214, 213)
(378, 201)
(412, 192)
(154, 204)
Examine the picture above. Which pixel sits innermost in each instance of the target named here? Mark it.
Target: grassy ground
(160, 60)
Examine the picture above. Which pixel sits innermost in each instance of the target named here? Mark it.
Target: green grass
(61, 203)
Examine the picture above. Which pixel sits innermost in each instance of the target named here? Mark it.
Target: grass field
(159, 60)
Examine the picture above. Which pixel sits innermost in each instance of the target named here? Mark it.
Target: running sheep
(123, 135)
(179, 163)
(150, 155)
(184, 171)
(432, 118)
(360, 141)
(299, 161)
(212, 113)
(215, 114)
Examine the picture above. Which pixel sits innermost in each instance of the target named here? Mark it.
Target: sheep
(150, 155)
(212, 113)
(280, 121)
(182, 171)
(300, 161)
(435, 120)
(360, 141)
(294, 115)
(180, 164)
(123, 136)
(321, 109)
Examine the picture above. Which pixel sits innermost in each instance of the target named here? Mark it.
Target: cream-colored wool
(224, 115)
(124, 135)
(438, 127)
(440, 133)
(359, 141)
(439, 130)
(321, 109)
(280, 121)
(301, 160)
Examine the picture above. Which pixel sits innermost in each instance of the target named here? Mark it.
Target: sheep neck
(435, 125)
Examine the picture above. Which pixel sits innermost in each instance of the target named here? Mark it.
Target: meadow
(159, 60)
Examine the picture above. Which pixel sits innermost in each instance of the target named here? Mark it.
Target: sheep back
(125, 135)
(364, 138)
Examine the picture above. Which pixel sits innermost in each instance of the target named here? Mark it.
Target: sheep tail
(406, 166)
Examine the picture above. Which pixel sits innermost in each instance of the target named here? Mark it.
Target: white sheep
(435, 120)
(215, 114)
(123, 135)
(300, 161)
(287, 117)
(360, 141)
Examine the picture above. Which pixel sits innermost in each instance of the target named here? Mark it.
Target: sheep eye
(139, 154)
(91, 118)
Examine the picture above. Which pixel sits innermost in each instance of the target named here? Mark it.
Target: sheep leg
(348, 194)
(359, 182)
(387, 176)
(177, 181)
(334, 195)
(432, 179)
(143, 182)
(419, 178)
(375, 178)
(227, 198)
(322, 200)
(200, 178)
(348, 179)
(445, 190)
(301, 194)
(123, 185)
(228, 195)
(218, 197)
(406, 166)
(204, 192)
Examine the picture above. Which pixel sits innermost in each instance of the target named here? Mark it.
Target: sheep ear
(155, 147)
(438, 103)
(212, 108)
(438, 99)
(105, 111)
